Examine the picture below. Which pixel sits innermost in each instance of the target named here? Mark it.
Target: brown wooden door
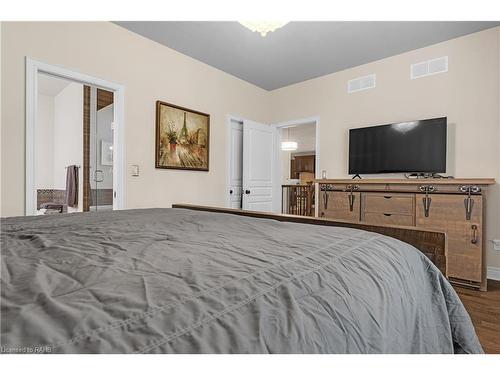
(335, 205)
(447, 214)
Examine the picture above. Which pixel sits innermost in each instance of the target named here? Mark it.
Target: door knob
(231, 191)
(247, 191)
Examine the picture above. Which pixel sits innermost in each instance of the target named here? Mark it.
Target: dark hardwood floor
(484, 309)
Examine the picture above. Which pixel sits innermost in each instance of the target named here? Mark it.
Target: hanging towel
(72, 186)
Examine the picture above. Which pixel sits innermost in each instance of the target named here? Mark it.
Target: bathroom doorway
(73, 147)
(74, 144)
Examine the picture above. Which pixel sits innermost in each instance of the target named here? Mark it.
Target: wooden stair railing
(297, 199)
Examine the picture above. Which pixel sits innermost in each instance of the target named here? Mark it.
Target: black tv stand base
(356, 176)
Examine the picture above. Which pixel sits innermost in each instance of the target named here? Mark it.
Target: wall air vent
(361, 83)
(429, 67)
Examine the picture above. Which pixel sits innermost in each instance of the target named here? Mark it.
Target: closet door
(258, 161)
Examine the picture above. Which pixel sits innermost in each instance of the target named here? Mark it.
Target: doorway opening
(263, 176)
(297, 166)
(74, 141)
(73, 147)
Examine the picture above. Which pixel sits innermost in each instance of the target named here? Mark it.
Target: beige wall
(149, 72)
(468, 95)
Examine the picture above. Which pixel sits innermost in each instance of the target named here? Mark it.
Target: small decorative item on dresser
(182, 138)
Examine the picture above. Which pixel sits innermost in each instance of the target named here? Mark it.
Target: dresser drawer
(389, 203)
(387, 218)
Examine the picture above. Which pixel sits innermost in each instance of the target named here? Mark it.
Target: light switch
(135, 170)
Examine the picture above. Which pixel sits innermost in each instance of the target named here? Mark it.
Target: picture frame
(182, 138)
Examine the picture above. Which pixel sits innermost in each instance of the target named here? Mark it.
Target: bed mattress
(183, 281)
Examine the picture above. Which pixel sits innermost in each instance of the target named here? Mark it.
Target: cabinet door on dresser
(447, 213)
(337, 205)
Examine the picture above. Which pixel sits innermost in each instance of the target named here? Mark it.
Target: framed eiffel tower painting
(182, 138)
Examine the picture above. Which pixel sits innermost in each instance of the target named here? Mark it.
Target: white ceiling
(50, 85)
(300, 50)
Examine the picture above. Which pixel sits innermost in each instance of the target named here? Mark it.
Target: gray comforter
(181, 281)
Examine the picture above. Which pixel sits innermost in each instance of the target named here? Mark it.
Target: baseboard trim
(494, 273)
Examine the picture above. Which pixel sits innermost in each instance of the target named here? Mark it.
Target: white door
(258, 161)
(235, 164)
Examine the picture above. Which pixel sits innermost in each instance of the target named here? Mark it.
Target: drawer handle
(387, 197)
(387, 214)
(351, 197)
(351, 201)
(469, 204)
(427, 204)
(426, 199)
(474, 234)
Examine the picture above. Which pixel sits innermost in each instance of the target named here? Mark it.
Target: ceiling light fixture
(263, 27)
(288, 145)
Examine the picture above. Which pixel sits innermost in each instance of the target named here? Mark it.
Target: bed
(184, 280)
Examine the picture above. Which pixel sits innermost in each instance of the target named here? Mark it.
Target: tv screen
(405, 147)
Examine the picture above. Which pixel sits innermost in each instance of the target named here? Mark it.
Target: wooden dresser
(454, 206)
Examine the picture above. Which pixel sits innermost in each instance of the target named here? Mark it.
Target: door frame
(33, 67)
(277, 201)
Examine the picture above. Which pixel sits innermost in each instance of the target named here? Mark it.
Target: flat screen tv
(405, 147)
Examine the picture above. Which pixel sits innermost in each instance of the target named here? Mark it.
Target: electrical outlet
(496, 244)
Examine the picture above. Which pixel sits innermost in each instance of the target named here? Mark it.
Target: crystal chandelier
(263, 27)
